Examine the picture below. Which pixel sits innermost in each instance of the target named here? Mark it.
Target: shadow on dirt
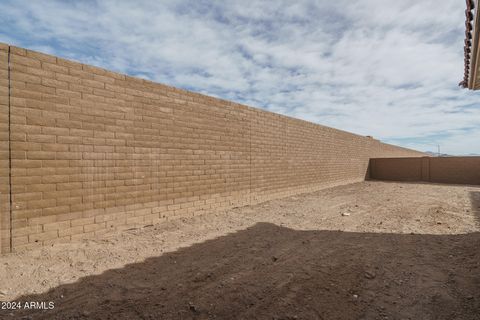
(272, 272)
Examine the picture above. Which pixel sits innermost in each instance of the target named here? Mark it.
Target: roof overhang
(471, 78)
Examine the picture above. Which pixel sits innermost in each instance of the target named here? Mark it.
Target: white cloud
(384, 69)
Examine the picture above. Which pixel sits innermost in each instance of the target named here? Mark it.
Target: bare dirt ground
(372, 250)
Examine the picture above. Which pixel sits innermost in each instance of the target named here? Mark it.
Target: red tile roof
(468, 41)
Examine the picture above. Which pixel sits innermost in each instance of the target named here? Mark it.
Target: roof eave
(475, 52)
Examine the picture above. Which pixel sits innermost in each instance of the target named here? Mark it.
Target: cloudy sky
(389, 69)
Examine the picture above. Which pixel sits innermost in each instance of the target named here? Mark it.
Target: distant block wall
(452, 170)
(4, 153)
(93, 150)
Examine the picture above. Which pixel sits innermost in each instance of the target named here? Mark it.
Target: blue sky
(386, 69)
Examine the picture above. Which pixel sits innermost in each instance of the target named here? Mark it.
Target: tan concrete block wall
(4, 153)
(458, 170)
(93, 150)
(451, 170)
(396, 169)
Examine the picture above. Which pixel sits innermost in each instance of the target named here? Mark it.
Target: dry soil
(372, 250)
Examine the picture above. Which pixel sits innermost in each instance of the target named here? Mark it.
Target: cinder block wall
(457, 170)
(4, 153)
(451, 170)
(93, 150)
